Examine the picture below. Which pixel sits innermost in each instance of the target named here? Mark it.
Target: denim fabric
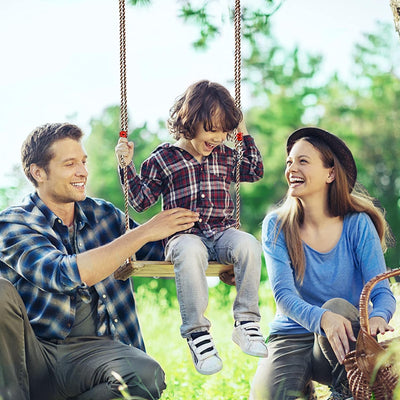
(190, 255)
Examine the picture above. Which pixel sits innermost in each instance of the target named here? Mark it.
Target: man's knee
(150, 380)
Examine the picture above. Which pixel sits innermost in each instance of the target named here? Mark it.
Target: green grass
(160, 322)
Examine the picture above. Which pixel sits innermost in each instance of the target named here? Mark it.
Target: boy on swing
(195, 173)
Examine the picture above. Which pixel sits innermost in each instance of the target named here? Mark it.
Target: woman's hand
(379, 325)
(338, 331)
(124, 151)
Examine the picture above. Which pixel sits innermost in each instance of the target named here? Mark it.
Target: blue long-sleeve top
(341, 272)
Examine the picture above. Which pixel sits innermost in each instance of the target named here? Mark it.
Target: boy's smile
(203, 143)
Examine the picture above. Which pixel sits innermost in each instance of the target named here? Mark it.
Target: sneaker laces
(252, 330)
(202, 345)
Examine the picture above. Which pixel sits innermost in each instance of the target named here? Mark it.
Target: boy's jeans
(190, 255)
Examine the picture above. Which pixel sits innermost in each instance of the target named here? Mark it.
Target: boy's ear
(38, 173)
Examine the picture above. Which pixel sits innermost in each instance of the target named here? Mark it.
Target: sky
(60, 58)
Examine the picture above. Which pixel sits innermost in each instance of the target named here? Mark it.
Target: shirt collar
(80, 216)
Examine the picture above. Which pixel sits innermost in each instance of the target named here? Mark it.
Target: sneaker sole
(212, 372)
(237, 342)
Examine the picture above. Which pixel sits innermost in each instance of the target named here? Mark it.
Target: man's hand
(168, 222)
(109, 257)
(338, 331)
(378, 325)
(124, 151)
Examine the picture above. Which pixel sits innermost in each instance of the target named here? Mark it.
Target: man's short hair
(36, 148)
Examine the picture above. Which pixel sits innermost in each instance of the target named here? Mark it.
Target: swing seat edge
(165, 269)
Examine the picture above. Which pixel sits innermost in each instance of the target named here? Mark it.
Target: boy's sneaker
(247, 335)
(204, 354)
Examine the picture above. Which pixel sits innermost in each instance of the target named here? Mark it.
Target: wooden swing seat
(163, 269)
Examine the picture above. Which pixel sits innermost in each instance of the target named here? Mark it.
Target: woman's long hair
(341, 201)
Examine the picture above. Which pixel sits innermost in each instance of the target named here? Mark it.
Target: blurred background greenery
(287, 92)
(288, 89)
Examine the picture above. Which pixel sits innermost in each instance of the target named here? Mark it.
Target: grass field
(160, 322)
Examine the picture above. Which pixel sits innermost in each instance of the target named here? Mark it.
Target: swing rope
(124, 103)
(215, 269)
(125, 270)
(237, 78)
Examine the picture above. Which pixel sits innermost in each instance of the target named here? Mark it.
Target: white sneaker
(248, 336)
(204, 354)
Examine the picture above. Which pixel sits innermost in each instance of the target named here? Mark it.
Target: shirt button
(104, 296)
(203, 195)
(200, 220)
(116, 320)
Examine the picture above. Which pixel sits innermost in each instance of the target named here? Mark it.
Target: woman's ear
(331, 176)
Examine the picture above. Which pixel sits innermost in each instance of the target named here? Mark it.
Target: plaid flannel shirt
(37, 258)
(182, 181)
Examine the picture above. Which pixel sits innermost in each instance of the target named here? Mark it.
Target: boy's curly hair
(203, 102)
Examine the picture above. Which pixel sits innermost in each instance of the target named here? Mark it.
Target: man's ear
(38, 173)
(331, 176)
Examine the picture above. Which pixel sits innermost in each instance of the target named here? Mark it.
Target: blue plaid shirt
(39, 261)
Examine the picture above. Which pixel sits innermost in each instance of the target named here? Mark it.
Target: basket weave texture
(369, 368)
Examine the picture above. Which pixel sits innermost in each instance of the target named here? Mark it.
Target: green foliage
(367, 116)
(103, 167)
(283, 83)
(140, 2)
(200, 16)
(19, 186)
(286, 96)
(200, 13)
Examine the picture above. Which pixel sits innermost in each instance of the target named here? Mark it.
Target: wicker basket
(365, 376)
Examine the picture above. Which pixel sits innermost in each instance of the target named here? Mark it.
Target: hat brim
(337, 145)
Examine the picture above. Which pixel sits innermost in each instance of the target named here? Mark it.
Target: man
(67, 326)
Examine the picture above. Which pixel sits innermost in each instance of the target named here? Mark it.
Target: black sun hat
(337, 145)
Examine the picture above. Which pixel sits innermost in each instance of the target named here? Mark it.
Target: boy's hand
(124, 152)
(242, 128)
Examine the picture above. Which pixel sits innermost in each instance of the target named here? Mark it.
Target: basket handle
(365, 293)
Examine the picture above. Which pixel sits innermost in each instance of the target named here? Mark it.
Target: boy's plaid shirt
(204, 187)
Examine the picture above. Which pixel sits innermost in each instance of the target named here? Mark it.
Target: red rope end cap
(239, 136)
(123, 134)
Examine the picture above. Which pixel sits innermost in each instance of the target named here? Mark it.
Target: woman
(321, 245)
